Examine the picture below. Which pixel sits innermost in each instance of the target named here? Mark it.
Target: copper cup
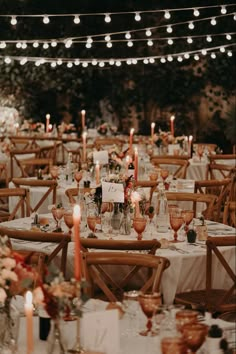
(184, 317)
(170, 345)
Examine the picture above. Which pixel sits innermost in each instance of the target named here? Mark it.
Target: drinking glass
(164, 174)
(176, 222)
(194, 335)
(106, 224)
(68, 219)
(58, 215)
(149, 303)
(78, 176)
(188, 217)
(139, 225)
(130, 305)
(54, 171)
(200, 151)
(184, 317)
(170, 345)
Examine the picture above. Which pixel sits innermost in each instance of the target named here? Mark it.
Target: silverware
(174, 248)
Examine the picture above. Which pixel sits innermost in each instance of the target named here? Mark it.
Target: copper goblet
(93, 222)
(78, 176)
(200, 150)
(194, 335)
(184, 317)
(176, 222)
(54, 171)
(164, 174)
(188, 217)
(68, 219)
(170, 345)
(149, 303)
(139, 225)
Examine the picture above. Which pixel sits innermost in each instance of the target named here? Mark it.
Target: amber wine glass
(139, 225)
(54, 171)
(188, 217)
(176, 221)
(174, 345)
(68, 219)
(149, 303)
(164, 174)
(194, 335)
(58, 215)
(78, 176)
(200, 150)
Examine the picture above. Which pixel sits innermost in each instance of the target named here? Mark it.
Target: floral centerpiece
(103, 128)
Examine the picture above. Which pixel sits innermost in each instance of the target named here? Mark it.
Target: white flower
(38, 295)
(3, 295)
(9, 275)
(8, 263)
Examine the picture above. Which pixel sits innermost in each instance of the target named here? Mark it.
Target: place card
(100, 331)
(112, 192)
(100, 156)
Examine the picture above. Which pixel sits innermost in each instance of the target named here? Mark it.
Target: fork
(174, 248)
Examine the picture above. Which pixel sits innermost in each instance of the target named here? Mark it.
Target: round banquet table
(187, 263)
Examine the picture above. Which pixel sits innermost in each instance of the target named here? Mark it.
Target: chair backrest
(30, 167)
(217, 157)
(96, 274)
(195, 198)
(151, 185)
(102, 143)
(72, 193)
(177, 166)
(213, 247)
(50, 152)
(16, 155)
(219, 188)
(229, 215)
(21, 204)
(49, 185)
(22, 143)
(219, 171)
(4, 178)
(61, 239)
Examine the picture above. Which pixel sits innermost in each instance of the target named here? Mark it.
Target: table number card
(101, 156)
(100, 331)
(112, 192)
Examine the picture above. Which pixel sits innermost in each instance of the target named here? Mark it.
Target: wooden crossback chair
(220, 188)
(219, 171)
(4, 175)
(25, 154)
(103, 143)
(229, 215)
(195, 198)
(60, 240)
(30, 167)
(96, 272)
(210, 299)
(50, 151)
(180, 165)
(152, 185)
(49, 185)
(22, 143)
(21, 204)
(227, 157)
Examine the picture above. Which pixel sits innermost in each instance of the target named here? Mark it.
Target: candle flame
(84, 135)
(136, 150)
(97, 163)
(76, 211)
(28, 297)
(153, 125)
(190, 138)
(48, 116)
(132, 131)
(172, 118)
(83, 111)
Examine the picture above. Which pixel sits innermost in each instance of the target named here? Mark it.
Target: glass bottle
(162, 215)
(131, 169)
(69, 169)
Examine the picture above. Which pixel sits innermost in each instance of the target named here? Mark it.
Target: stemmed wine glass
(200, 150)
(68, 219)
(173, 345)
(54, 171)
(176, 221)
(164, 174)
(149, 303)
(58, 215)
(139, 225)
(78, 176)
(194, 335)
(188, 217)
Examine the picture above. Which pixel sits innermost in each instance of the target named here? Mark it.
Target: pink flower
(8, 263)
(3, 295)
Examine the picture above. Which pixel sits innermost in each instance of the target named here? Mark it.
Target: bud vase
(125, 223)
(55, 341)
(116, 217)
(9, 327)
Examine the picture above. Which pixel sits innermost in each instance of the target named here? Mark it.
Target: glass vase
(9, 327)
(116, 218)
(125, 222)
(56, 343)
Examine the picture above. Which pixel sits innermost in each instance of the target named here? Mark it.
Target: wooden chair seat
(210, 299)
(96, 272)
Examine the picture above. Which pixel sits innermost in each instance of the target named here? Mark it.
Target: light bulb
(111, 61)
(127, 35)
(191, 25)
(170, 41)
(109, 44)
(23, 61)
(222, 49)
(107, 38)
(145, 61)
(196, 57)
(152, 60)
(76, 19)
(234, 17)
(204, 52)
(7, 60)
(85, 64)
(209, 39)
(180, 59)
(128, 61)
(213, 21)
(167, 15)
(13, 20)
(130, 44)
(213, 56)
(35, 44)
(68, 43)
(45, 46)
(134, 61)
(101, 64)
(89, 40)
(137, 16)
(162, 60)
(118, 63)
(228, 37)
(59, 62)
(229, 53)
(223, 10)
(24, 45)
(37, 63)
(46, 20)
(169, 29)
(148, 32)
(53, 44)
(196, 12)
(149, 42)
(170, 58)
(77, 62)
(107, 18)
(3, 45)
(189, 40)
(88, 45)
(53, 64)
(186, 56)
(69, 64)
(18, 45)
(94, 62)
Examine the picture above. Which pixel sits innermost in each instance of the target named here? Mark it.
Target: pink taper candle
(131, 139)
(152, 132)
(172, 130)
(136, 164)
(47, 122)
(83, 119)
(190, 139)
(84, 137)
(97, 173)
(76, 222)
(29, 321)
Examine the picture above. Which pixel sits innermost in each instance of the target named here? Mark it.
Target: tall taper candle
(47, 122)
(152, 132)
(172, 129)
(84, 137)
(131, 140)
(76, 222)
(136, 164)
(83, 119)
(190, 139)
(97, 173)
(29, 321)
